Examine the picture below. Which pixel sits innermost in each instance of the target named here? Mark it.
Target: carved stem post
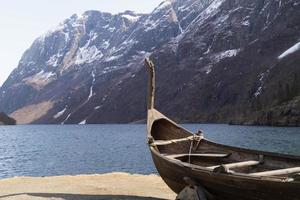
(151, 83)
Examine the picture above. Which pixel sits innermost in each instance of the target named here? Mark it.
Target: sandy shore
(86, 187)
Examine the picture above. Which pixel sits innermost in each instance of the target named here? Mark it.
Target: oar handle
(151, 83)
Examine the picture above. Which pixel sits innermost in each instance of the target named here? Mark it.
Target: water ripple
(46, 150)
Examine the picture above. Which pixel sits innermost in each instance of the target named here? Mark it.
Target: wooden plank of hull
(225, 186)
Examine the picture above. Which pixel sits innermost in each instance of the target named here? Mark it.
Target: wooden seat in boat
(278, 172)
(228, 167)
(207, 155)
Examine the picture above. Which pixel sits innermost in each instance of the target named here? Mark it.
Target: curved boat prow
(151, 83)
(152, 114)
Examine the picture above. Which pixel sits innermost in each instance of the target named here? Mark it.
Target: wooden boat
(224, 172)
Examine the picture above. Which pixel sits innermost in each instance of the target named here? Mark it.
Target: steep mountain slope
(217, 61)
(232, 65)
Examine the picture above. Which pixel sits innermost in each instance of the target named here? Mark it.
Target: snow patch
(131, 18)
(208, 69)
(279, 3)
(67, 118)
(150, 24)
(225, 54)
(92, 87)
(60, 113)
(88, 54)
(83, 122)
(291, 50)
(183, 8)
(258, 91)
(112, 29)
(67, 36)
(97, 107)
(261, 83)
(163, 5)
(246, 23)
(105, 44)
(54, 60)
(93, 35)
(112, 58)
(210, 11)
(213, 6)
(105, 26)
(170, 15)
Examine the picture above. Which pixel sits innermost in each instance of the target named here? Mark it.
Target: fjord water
(47, 150)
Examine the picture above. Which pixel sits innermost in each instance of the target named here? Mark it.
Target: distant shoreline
(142, 123)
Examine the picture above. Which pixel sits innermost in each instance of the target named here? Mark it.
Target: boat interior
(178, 144)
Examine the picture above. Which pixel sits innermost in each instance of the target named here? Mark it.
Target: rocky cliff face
(6, 120)
(217, 61)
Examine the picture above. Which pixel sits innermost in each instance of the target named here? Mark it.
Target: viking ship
(185, 159)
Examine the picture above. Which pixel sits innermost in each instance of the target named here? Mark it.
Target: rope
(190, 152)
(195, 137)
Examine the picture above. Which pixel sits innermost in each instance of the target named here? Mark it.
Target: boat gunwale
(234, 148)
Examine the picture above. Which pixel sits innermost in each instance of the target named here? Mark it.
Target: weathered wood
(277, 172)
(167, 142)
(151, 84)
(208, 155)
(227, 167)
(296, 177)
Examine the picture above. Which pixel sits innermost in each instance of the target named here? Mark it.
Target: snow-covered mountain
(217, 61)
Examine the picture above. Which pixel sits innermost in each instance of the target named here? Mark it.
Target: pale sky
(22, 21)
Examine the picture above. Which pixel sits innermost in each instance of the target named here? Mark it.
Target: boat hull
(223, 186)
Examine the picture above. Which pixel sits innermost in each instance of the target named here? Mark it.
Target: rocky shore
(86, 187)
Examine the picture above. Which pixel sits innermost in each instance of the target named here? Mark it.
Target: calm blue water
(45, 150)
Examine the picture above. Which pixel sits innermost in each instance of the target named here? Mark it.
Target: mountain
(232, 61)
(5, 120)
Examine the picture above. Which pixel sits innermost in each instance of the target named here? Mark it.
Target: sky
(22, 21)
